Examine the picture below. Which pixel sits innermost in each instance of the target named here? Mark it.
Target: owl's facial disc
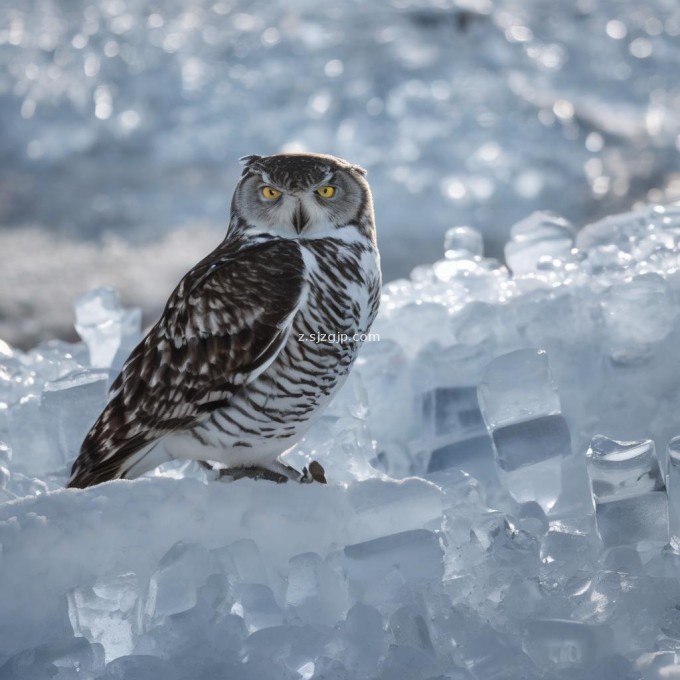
(300, 196)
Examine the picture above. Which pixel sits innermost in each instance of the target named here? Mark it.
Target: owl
(256, 338)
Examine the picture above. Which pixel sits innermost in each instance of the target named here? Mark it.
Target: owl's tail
(98, 464)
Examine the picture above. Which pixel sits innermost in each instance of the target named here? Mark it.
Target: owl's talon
(317, 472)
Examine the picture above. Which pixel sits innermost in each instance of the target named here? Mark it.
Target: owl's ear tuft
(247, 161)
(360, 170)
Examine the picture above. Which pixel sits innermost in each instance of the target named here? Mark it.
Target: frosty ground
(482, 518)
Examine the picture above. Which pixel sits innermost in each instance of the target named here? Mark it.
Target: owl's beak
(300, 218)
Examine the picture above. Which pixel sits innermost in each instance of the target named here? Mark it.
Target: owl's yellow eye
(326, 192)
(270, 193)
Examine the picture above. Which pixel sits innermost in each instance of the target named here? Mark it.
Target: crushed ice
(499, 507)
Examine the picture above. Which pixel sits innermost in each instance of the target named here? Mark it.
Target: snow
(497, 505)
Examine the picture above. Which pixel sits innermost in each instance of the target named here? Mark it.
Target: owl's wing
(223, 325)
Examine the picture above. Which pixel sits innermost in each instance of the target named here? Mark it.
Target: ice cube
(566, 549)
(315, 591)
(624, 559)
(403, 661)
(414, 555)
(634, 519)
(106, 328)
(455, 411)
(409, 628)
(617, 230)
(383, 369)
(517, 387)
(76, 658)
(673, 490)
(107, 613)
(659, 666)
(531, 438)
(33, 453)
(174, 585)
(452, 430)
(463, 243)
(247, 559)
(554, 643)
(386, 506)
(629, 491)
(540, 235)
(474, 456)
(364, 639)
(619, 469)
(256, 604)
(533, 442)
(70, 405)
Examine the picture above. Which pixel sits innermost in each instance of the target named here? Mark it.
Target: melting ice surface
(498, 506)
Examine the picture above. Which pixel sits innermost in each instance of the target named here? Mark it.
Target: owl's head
(301, 195)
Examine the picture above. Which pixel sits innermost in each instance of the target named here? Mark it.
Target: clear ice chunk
(107, 613)
(532, 442)
(629, 491)
(456, 410)
(463, 243)
(409, 627)
(452, 429)
(516, 387)
(256, 604)
(673, 491)
(539, 236)
(33, 453)
(416, 555)
(522, 411)
(622, 469)
(567, 549)
(75, 658)
(364, 638)
(634, 519)
(314, 590)
(174, 586)
(624, 559)
(70, 405)
(247, 559)
(109, 330)
(381, 366)
(384, 507)
(403, 661)
(555, 643)
(470, 455)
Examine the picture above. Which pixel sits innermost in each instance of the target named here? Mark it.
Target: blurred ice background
(121, 122)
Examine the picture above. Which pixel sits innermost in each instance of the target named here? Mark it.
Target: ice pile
(503, 497)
